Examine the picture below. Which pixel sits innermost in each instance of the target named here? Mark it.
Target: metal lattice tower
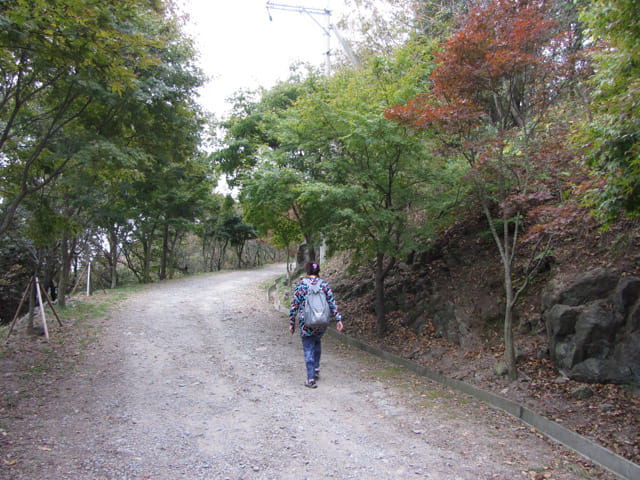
(313, 13)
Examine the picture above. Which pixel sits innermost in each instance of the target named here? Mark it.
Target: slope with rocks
(464, 269)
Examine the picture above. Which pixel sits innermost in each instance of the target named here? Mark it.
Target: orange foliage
(505, 51)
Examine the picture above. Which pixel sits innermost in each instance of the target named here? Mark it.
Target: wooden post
(99, 280)
(24, 297)
(88, 279)
(73, 290)
(48, 299)
(44, 320)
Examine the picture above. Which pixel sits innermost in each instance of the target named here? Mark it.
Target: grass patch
(10, 401)
(82, 309)
(32, 358)
(267, 284)
(282, 292)
(81, 314)
(432, 398)
(435, 395)
(4, 331)
(389, 372)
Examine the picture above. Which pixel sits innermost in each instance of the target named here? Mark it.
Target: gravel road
(199, 378)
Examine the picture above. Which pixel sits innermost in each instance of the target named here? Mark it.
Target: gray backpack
(316, 307)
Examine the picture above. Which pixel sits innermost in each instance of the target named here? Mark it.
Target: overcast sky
(241, 48)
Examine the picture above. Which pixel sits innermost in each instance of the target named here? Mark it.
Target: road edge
(592, 451)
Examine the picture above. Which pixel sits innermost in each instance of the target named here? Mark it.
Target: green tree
(104, 189)
(613, 132)
(239, 234)
(257, 155)
(207, 229)
(287, 233)
(58, 59)
(251, 129)
(370, 172)
(271, 200)
(143, 154)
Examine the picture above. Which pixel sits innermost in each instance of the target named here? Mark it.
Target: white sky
(240, 48)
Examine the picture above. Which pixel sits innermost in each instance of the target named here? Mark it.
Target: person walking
(311, 337)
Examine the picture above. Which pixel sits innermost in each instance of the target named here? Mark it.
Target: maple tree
(495, 80)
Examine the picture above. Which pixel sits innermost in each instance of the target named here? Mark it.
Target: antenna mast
(313, 12)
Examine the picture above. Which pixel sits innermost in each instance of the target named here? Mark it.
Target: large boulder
(442, 314)
(595, 284)
(593, 326)
(445, 319)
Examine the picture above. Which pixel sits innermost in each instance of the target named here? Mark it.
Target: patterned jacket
(298, 301)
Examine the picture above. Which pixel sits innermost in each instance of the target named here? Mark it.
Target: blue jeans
(312, 347)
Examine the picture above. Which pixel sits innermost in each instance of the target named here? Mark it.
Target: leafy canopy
(613, 134)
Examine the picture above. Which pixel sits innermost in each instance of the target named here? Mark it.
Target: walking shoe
(316, 376)
(311, 384)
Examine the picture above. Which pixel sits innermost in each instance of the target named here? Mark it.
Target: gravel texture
(199, 378)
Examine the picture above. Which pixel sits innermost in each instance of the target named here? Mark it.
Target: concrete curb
(589, 449)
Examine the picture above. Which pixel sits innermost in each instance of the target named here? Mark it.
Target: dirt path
(200, 379)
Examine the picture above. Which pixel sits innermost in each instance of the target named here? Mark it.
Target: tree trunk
(172, 253)
(146, 259)
(32, 307)
(64, 271)
(212, 259)
(506, 256)
(509, 347)
(113, 255)
(207, 261)
(289, 272)
(381, 314)
(239, 251)
(310, 252)
(257, 257)
(222, 253)
(165, 252)
(147, 247)
(205, 258)
(507, 261)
